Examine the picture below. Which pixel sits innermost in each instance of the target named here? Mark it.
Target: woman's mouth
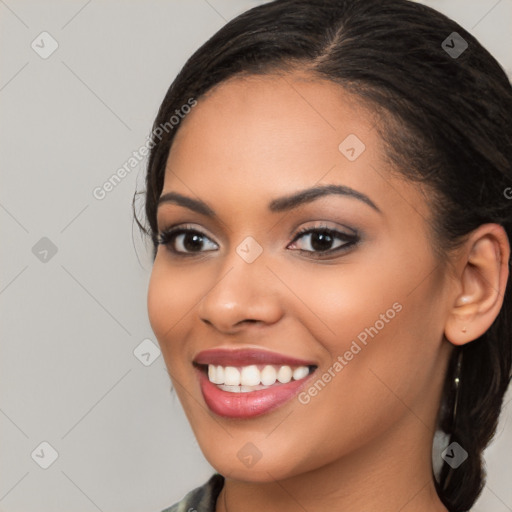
(252, 390)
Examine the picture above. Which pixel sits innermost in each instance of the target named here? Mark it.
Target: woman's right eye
(186, 238)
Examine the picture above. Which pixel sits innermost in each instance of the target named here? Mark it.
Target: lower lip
(250, 404)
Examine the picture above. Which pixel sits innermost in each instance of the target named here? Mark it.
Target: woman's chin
(249, 464)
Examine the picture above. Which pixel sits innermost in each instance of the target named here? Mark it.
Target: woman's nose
(243, 292)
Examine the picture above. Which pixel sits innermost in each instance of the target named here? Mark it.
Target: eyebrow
(279, 204)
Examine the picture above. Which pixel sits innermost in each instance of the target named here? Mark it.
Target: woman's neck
(388, 474)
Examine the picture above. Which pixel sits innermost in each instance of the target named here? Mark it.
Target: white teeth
(231, 376)
(268, 375)
(241, 389)
(250, 376)
(247, 378)
(300, 372)
(284, 375)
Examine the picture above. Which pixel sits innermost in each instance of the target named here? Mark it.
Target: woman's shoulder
(200, 499)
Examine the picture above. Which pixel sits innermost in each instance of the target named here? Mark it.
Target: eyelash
(168, 236)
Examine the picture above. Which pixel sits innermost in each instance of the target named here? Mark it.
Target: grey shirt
(202, 498)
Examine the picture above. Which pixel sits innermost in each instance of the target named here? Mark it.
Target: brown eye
(321, 240)
(188, 240)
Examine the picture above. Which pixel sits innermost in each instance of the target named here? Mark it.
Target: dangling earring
(456, 383)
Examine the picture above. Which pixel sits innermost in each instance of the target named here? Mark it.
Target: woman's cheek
(163, 306)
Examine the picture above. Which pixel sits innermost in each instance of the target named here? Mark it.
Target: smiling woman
(330, 284)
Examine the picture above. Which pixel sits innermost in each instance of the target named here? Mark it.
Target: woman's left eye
(190, 240)
(320, 237)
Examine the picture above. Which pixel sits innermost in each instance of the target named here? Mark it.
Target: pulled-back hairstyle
(445, 121)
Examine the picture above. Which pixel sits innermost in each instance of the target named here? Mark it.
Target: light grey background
(72, 320)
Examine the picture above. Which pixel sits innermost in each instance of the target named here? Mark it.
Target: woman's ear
(484, 270)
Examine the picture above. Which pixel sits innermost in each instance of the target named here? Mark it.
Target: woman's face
(370, 315)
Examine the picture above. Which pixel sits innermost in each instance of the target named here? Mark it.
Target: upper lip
(245, 357)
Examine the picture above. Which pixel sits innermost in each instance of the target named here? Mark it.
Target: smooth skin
(364, 441)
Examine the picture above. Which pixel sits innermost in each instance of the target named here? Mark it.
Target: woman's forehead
(281, 133)
(268, 125)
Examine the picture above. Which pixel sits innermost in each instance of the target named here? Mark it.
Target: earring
(456, 383)
(464, 329)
